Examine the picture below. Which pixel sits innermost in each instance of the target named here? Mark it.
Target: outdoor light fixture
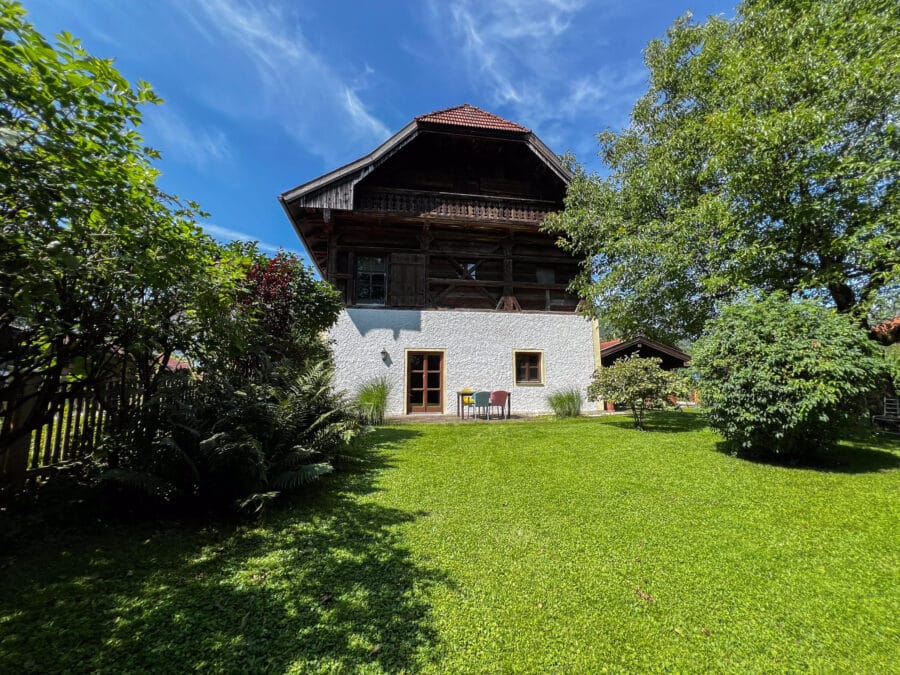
(384, 355)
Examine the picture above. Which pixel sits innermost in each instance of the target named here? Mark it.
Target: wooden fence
(71, 434)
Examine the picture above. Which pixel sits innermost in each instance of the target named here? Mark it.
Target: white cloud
(521, 53)
(313, 100)
(224, 234)
(179, 141)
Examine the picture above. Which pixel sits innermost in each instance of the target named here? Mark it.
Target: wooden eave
(674, 352)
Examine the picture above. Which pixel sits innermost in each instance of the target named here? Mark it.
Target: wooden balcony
(453, 205)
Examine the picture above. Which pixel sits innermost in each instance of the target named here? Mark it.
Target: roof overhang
(640, 341)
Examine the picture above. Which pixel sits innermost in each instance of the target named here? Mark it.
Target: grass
(559, 546)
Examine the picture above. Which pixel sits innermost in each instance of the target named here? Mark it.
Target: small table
(461, 394)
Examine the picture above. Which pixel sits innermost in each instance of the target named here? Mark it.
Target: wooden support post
(331, 264)
(508, 301)
(425, 240)
(14, 460)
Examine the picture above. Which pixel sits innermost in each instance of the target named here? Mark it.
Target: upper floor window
(371, 280)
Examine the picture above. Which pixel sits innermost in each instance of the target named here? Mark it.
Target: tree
(784, 377)
(293, 307)
(102, 275)
(636, 382)
(765, 155)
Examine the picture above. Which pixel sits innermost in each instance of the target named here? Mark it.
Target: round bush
(784, 377)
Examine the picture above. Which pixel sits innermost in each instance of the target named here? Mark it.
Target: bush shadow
(860, 453)
(325, 584)
(663, 421)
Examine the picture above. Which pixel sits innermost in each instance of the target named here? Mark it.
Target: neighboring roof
(889, 330)
(175, 363)
(466, 115)
(612, 347)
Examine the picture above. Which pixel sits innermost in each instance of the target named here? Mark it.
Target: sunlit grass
(545, 546)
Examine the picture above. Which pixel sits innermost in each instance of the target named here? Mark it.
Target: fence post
(15, 459)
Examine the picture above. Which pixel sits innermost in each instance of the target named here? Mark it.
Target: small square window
(529, 367)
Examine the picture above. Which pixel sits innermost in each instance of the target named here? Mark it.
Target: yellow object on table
(467, 400)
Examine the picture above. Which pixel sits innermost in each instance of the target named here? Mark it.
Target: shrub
(636, 382)
(372, 400)
(784, 377)
(566, 403)
(222, 443)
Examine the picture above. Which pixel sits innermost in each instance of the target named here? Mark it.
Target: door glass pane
(415, 380)
(416, 361)
(434, 397)
(434, 380)
(415, 397)
(434, 361)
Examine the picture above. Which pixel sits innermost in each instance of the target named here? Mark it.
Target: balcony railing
(453, 205)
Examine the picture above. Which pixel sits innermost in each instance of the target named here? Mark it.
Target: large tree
(101, 273)
(765, 155)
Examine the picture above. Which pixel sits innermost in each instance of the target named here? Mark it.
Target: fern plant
(566, 403)
(244, 441)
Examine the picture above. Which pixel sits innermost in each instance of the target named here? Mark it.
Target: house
(434, 241)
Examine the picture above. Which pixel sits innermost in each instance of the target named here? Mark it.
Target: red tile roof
(466, 115)
(609, 343)
(889, 330)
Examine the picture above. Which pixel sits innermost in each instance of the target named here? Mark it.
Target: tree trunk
(843, 296)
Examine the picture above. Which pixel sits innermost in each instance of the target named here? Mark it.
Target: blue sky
(264, 95)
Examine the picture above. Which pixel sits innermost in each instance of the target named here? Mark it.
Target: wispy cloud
(185, 143)
(529, 57)
(224, 234)
(315, 101)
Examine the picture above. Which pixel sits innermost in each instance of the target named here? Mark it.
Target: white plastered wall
(478, 351)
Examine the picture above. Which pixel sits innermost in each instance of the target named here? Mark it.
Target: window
(471, 270)
(529, 367)
(371, 280)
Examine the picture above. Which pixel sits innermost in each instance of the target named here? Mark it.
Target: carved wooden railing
(453, 205)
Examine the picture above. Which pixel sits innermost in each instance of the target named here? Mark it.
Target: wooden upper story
(445, 214)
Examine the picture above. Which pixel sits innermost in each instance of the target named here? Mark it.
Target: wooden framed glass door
(424, 382)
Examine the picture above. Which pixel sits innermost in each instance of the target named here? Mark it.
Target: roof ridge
(468, 115)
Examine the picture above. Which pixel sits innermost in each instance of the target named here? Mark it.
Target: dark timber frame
(455, 209)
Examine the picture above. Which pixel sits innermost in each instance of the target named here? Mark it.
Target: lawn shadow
(326, 584)
(862, 452)
(663, 421)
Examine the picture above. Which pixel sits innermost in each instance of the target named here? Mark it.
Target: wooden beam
(473, 283)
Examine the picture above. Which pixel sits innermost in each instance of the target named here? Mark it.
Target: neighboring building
(672, 357)
(434, 241)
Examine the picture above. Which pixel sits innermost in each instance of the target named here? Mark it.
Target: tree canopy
(764, 155)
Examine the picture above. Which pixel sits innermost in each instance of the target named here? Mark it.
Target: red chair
(498, 399)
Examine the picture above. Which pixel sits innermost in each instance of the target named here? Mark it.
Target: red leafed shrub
(290, 304)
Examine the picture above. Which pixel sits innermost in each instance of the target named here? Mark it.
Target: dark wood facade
(448, 214)
(672, 358)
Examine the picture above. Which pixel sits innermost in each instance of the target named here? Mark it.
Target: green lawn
(551, 546)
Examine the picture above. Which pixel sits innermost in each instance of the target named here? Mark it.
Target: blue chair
(482, 399)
